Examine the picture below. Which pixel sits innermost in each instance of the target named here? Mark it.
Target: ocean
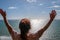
(52, 33)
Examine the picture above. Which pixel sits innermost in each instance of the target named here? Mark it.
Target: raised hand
(3, 13)
(9, 27)
(52, 14)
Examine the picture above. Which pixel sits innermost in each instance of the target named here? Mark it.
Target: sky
(17, 9)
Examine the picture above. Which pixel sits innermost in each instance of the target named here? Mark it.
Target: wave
(5, 38)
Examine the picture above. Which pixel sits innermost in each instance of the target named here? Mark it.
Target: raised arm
(6, 22)
(52, 16)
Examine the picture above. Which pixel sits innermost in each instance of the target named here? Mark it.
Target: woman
(25, 26)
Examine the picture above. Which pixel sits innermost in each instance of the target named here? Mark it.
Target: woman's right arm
(6, 22)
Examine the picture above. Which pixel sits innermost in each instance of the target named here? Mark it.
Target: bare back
(16, 36)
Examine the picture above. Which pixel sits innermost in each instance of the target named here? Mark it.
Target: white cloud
(55, 6)
(12, 7)
(31, 1)
(53, 2)
(41, 4)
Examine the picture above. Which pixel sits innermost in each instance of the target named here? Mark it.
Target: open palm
(2, 13)
(52, 14)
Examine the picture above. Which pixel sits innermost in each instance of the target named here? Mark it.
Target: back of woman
(25, 26)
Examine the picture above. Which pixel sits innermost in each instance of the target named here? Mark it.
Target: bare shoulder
(19, 35)
(16, 36)
(32, 37)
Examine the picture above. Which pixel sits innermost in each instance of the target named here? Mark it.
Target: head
(24, 25)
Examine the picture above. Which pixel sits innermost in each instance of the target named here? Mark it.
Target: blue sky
(16, 9)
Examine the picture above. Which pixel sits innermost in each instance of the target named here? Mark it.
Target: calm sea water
(52, 33)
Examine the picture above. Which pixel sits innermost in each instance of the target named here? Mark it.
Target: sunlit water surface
(52, 33)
